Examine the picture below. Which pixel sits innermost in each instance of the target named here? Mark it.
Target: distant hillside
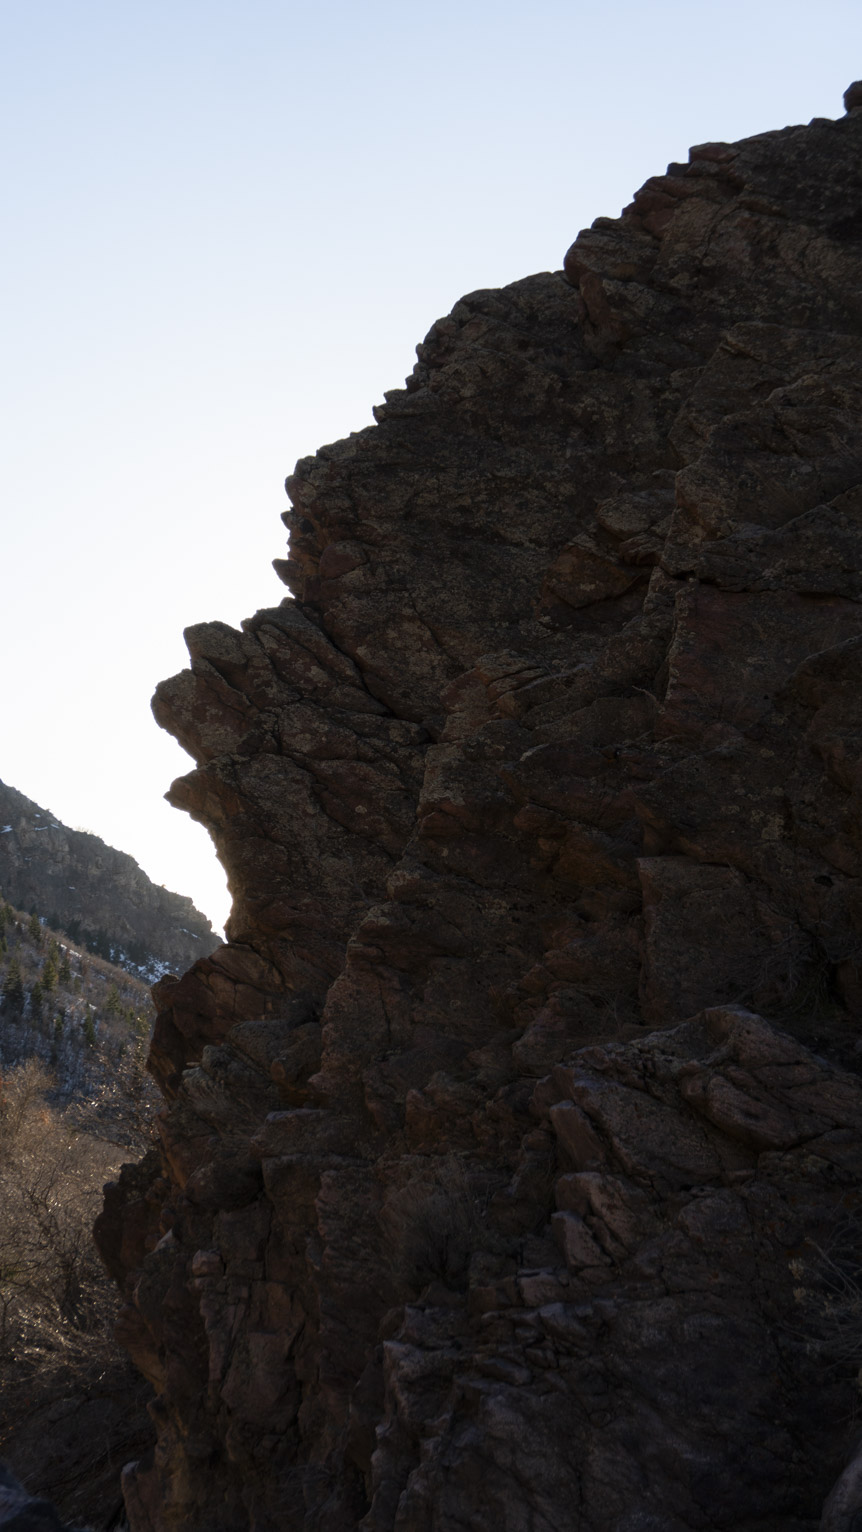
(98, 895)
(87, 1020)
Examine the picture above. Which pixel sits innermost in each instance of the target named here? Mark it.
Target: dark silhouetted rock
(511, 1162)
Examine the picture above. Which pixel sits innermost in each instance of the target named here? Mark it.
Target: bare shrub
(433, 1225)
(828, 1292)
(50, 1183)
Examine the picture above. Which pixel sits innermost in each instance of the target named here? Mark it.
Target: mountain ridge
(78, 883)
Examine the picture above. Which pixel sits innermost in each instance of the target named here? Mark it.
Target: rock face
(78, 883)
(510, 1169)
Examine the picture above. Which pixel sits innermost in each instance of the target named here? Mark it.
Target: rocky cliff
(510, 1171)
(79, 884)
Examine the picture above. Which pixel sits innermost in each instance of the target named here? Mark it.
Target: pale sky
(226, 226)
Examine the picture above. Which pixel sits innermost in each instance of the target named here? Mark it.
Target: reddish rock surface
(510, 1171)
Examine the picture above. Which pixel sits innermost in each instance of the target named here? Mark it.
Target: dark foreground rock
(21, 1512)
(510, 1169)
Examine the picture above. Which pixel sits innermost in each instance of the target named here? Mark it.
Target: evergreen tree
(100, 943)
(13, 986)
(112, 1003)
(64, 972)
(48, 975)
(89, 1030)
(34, 929)
(37, 995)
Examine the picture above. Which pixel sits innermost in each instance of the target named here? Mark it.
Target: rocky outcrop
(79, 884)
(510, 1168)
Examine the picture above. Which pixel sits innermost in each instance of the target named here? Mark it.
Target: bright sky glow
(226, 227)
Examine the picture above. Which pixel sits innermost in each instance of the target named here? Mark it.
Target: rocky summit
(511, 1163)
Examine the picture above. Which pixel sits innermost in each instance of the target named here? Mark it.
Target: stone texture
(513, 1141)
